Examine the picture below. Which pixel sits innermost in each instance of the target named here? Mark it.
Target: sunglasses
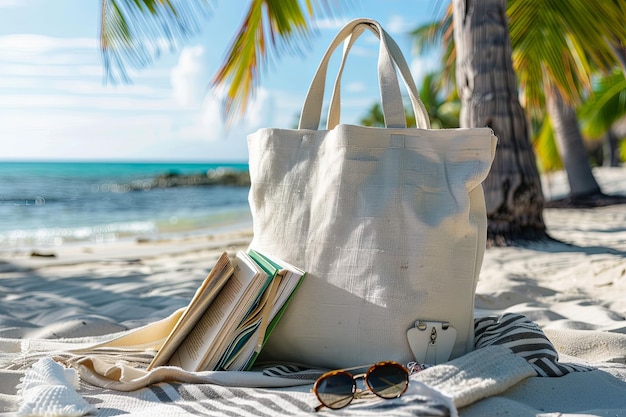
(337, 389)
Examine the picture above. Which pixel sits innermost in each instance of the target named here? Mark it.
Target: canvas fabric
(389, 223)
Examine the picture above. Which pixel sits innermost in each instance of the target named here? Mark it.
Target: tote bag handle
(419, 109)
(389, 54)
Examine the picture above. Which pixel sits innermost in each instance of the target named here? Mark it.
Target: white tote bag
(389, 223)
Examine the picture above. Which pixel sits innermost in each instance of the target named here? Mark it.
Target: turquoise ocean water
(49, 204)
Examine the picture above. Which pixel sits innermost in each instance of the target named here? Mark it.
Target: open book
(231, 315)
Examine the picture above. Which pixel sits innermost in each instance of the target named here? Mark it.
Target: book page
(239, 358)
(250, 332)
(190, 352)
(292, 276)
(204, 296)
(202, 346)
(238, 347)
(248, 306)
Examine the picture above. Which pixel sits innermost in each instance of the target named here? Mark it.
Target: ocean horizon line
(126, 161)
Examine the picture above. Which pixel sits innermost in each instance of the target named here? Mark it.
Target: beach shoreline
(90, 290)
(135, 247)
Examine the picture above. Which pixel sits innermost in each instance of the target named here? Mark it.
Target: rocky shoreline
(217, 177)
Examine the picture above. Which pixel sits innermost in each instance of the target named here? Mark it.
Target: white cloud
(328, 24)
(261, 109)
(367, 52)
(11, 4)
(355, 87)
(46, 58)
(63, 110)
(422, 65)
(190, 77)
(84, 103)
(54, 105)
(397, 25)
(209, 124)
(36, 44)
(48, 70)
(45, 134)
(90, 87)
(42, 72)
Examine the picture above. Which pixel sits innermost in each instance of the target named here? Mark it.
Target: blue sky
(54, 104)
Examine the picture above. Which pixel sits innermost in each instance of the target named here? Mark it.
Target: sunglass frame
(354, 377)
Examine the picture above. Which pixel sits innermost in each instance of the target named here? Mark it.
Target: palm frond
(427, 36)
(269, 28)
(429, 90)
(562, 43)
(374, 116)
(439, 33)
(605, 106)
(545, 148)
(135, 32)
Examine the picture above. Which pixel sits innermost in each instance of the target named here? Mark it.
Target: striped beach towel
(509, 340)
(524, 338)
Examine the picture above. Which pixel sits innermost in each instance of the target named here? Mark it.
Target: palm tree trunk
(611, 153)
(571, 147)
(487, 87)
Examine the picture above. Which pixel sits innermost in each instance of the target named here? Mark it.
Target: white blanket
(46, 390)
(488, 381)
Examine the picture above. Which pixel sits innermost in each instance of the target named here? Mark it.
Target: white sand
(99, 289)
(579, 284)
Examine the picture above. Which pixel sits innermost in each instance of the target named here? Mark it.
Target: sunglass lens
(388, 381)
(335, 391)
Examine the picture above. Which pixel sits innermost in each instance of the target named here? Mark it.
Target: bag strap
(389, 55)
(419, 109)
(334, 110)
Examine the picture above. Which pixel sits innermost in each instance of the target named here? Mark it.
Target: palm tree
(487, 86)
(551, 53)
(572, 150)
(599, 115)
(477, 56)
(547, 38)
